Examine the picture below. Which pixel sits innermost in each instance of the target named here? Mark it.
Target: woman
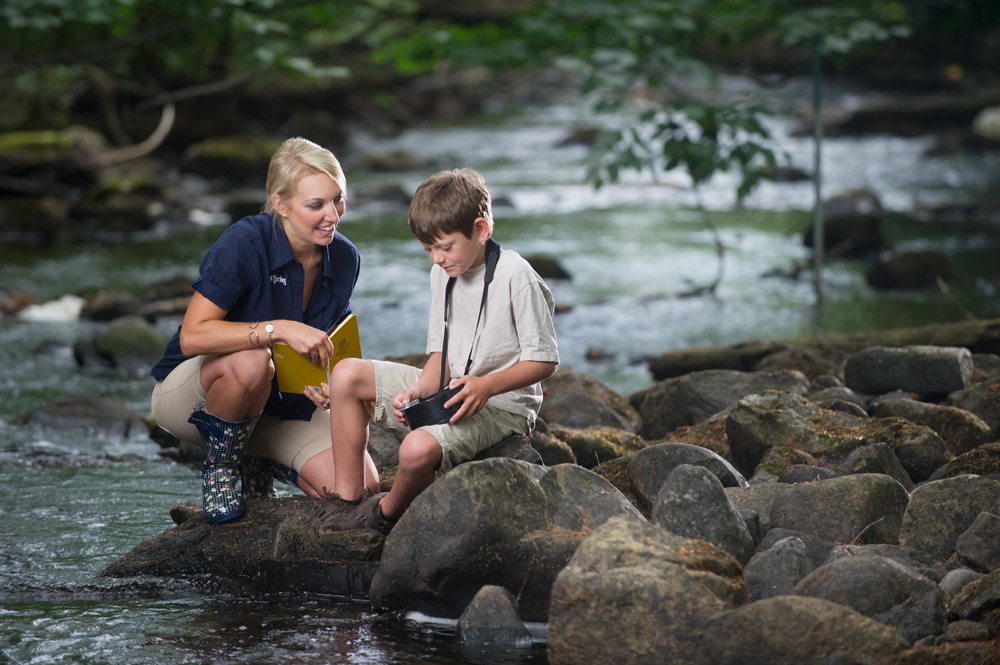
(284, 275)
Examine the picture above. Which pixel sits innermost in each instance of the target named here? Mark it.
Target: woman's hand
(311, 342)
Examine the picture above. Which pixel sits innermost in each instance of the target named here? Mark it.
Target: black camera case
(430, 410)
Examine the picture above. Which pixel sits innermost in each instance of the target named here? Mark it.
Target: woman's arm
(205, 331)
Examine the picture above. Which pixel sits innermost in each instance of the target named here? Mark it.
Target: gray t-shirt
(516, 325)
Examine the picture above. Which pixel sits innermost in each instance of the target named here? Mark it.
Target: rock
(850, 235)
(497, 521)
(87, 412)
(491, 619)
(957, 579)
(548, 267)
(235, 159)
(595, 445)
(925, 370)
(269, 545)
(693, 504)
(987, 123)
(129, 341)
(839, 394)
(695, 397)
(915, 560)
(663, 589)
(109, 305)
(805, 473)
(977, 598)
(983, 461)
(940, 511)
(982, 399)
(960, 430)
(863, 508)
(758, 498)
(981, 653)
(515, 446)
(575, 400)
(817, 548)
(551, 449)
(852, 202)
(776, 570)
(875, 458)
(979, 545)
(649, 468)
(910, 270)
(383, 445)
(793, 630)
(882, 589)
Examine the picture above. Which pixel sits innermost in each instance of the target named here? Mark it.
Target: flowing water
(72, 501)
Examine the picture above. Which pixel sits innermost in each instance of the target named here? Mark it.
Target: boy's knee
(419, 450)
(348, 376)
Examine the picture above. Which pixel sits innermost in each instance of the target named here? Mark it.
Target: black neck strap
(492, 256)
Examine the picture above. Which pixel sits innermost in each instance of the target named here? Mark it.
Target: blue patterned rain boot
(221, 483)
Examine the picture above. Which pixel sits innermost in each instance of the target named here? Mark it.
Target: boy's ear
(482, 229)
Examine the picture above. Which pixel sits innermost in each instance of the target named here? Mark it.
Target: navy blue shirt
(250, 272)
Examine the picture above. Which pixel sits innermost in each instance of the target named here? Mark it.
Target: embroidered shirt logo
(276, 279)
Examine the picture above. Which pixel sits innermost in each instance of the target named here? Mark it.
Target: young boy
(510, 345)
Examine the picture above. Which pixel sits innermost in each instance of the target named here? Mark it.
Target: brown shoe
(333, 513)
(369, 515)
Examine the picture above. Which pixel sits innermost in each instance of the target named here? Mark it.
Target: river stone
(648, 469)
(982, 399)
(87, 412)
(551, 449)
(818, 548)
(498, 521)
(875, 458)
(810, 360)
(595, 445)
(956, 580)
(695, 397)
(805, 473)
(513, 446)
(758, 498)
(129, 340)
(917, 561)
(925, 370)
(882, 589)
(983, 461)
(863, 508)
(960, 430)
(491, 618)
(838, 393)
(798, 630)
(576, 400)
(636, 594)
(108, 305)
(774, 571)
(692, 503)
(987, 123)
(270, 545)
(909, 270)
(978, 598)
(941, 510)
(979, 545)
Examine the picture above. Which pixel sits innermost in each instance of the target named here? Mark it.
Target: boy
(506, 342)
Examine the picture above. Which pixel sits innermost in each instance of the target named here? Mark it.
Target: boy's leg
(352, 387)
(419, 456)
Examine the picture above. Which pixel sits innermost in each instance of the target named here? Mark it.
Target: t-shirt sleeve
(435, 317)
(226, 269)
(533, 308)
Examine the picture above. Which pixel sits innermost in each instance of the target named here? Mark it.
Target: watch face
(269, 329)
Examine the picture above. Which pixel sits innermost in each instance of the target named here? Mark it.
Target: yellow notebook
(295, 371)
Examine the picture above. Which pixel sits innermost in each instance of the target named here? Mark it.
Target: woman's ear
(279, 205)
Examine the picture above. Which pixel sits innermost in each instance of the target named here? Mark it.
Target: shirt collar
(279, 252)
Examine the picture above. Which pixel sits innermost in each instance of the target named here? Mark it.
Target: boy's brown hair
(449, 202)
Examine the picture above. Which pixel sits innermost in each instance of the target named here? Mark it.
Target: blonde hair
(449, 202)
(294, 159)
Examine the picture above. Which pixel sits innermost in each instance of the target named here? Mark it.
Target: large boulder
(692, 503)
(595, 445)
(882, 589)
(982, 399)
(693, 398)
(636, 594)
(941, 510)
(648, 469)
(576, 400)
(863, 508)
(499, 521)
(925, 370)
(982, 461)
(798, 630)
(960, 430)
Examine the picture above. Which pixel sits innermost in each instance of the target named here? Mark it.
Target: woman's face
(313, 211)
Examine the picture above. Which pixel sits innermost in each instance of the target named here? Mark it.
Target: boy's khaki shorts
(460, 441)
(290, 442)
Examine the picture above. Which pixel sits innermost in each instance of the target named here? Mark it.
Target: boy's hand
(473, 395)
(402, 398)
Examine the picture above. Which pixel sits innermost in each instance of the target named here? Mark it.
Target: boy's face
(456, 254)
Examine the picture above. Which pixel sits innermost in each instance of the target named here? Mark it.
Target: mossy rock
(231, 158)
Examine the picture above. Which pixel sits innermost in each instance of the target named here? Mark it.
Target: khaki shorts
(459, 442)
(290, 442)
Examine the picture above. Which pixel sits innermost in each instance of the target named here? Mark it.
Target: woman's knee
(251, 370)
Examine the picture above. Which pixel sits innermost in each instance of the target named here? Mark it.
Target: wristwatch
(269, 328)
